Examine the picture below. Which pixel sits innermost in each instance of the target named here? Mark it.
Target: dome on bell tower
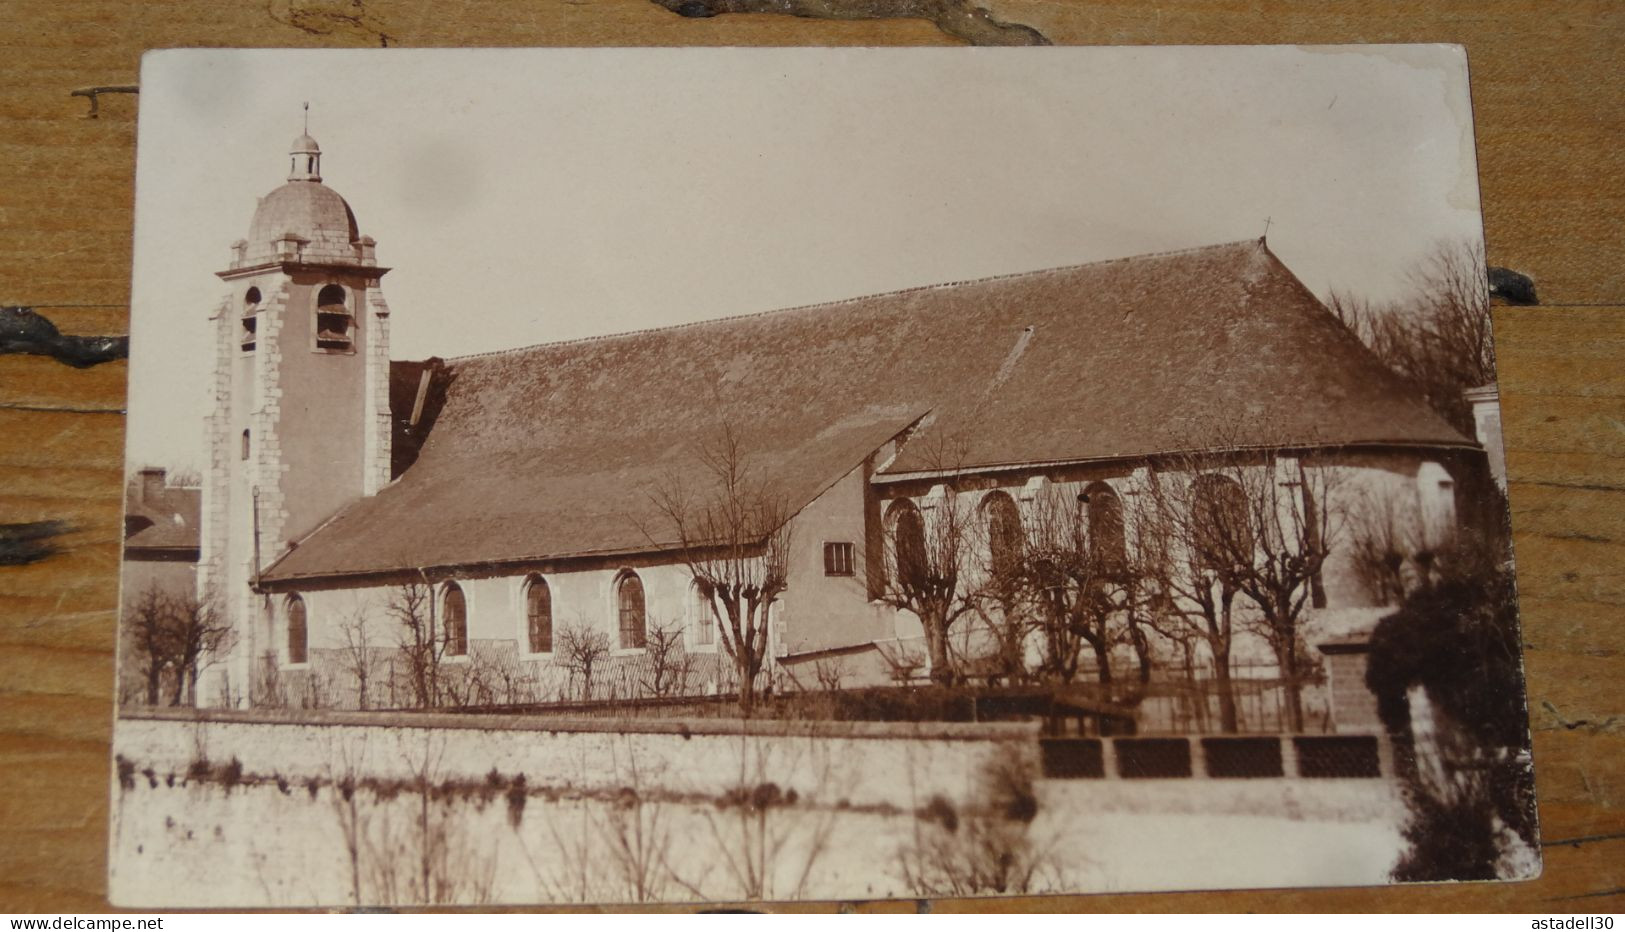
(303, 219)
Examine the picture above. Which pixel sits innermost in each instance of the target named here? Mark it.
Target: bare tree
(1196, 598)
(829, 674)
(734, 538)
(1079, 579)
(1386, 539)
(638, 838)
(903, 664)
(267, 688)
(421, 648)
(997, 593)
(1261, 527)
(929, 559)
(358, 654)
(582, 649)
(199, 633)
(184, 477)
(151, 637)
(669, 663)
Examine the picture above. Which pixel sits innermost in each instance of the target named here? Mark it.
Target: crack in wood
(1608, 724)
(58, 409)
(24, 331)
(1615, 891)
(961, 19)
(1579, 840)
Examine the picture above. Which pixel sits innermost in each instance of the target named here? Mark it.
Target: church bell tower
(300, 425)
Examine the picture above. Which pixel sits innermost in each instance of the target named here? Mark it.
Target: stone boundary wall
(859, 764)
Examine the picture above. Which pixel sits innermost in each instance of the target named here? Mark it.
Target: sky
(523, 196)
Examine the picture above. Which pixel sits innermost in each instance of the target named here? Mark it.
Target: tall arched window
(1004, 534)
(705, 619)
(908, 544)
(454, 615)
(298, 630)
(1107, 549)
(630, 608)
(539, 615)
(1220, 527)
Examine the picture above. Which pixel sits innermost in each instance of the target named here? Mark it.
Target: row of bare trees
(1437, 337)
(1191, 548)
(173, 633)
(422, 665)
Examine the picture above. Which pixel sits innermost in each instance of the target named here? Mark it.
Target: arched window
(251, 307)
(1107, 549)
(539, 615)
(1220, 527)
(245, 443)
(333, 320)
(705, 619)
(908, 544)
(454, 611)
(298, 630)
(1004, 534)
(630, 609)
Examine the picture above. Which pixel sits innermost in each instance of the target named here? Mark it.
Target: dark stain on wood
(1515, 288)
(962, 19)
(22, 330)
(30, 542)
(95, 93)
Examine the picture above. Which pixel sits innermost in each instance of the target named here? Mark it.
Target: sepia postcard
(729, 475)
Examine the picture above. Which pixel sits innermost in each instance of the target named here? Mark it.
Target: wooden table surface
(1550, 111)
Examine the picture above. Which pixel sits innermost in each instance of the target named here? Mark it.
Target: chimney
(150, 484)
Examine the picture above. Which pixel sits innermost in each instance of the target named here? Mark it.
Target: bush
(1470, 779)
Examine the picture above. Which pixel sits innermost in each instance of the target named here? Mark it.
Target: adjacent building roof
(552, 451)
(161, 520)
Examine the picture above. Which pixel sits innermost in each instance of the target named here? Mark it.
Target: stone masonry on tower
(301, 375)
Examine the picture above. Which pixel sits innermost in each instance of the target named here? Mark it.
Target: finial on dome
(305, 157)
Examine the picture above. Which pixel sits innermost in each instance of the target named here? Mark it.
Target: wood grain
(1550, 114)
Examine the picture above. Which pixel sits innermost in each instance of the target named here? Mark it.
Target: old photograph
(636, 476)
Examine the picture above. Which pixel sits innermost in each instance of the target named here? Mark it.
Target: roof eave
(271, 581)
(916, 475)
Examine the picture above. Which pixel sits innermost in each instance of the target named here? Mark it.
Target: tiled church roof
(551, 451)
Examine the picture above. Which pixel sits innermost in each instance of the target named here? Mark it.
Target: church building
(515, 489)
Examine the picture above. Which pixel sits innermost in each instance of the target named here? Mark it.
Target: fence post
(1108, 758)
(1198, 757)
(1289, 757)
(1385, 755)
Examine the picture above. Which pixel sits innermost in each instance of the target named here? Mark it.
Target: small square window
(838, 558)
